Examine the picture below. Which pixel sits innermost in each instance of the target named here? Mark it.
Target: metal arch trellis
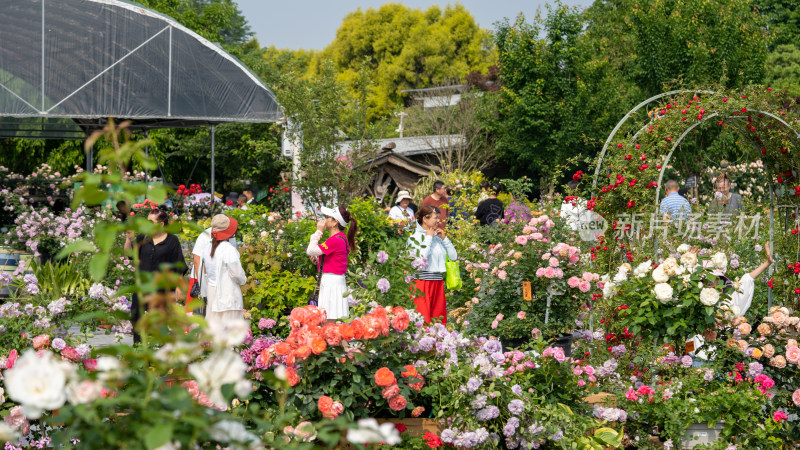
(677, 143)
(628, 116)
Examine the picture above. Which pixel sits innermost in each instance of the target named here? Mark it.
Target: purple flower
(59, 344)
(618, 350)
(448, 435)
(473, 384)
(383, 285)
(419, 264)
(516, 389)
(5, 278)
(488, 413)
(426, 343)
(755, 369)
(686, 361)
(708, 374)
(382, 257)
(30, 279)
(492, 346)
(84, 350)
(509, 431)
(479, 402)
(516, 407)
(265, 323)
(32, 289)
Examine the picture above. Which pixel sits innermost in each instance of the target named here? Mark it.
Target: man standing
(438, 200)
(726, 201)
(674, 203)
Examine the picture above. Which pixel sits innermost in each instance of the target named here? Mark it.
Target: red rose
(628, 157)
(770, 283)
(725, 99)
(400, 427)
(631, 204)
(229, 202)
(619, 145)
(286, 189)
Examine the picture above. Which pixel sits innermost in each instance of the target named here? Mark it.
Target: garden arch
(755, 115)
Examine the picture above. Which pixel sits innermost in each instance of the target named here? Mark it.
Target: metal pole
(213, 131)
(90, 159)
(146, 155)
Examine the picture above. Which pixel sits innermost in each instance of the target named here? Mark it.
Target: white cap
(402, 195)
(333, 213)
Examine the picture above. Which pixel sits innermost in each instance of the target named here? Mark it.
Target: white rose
(670, 265)
(605, 279)
(233, 431)
(220, 368)
(663, 292)
(7, 433)
(85, 391)
(680, 270)
(110, 369)
(689, 260)
(659, 275)
(642, 269)
(683, 248)
(37, 383)
(621, 275)
(369, 432)
(229, 333)
(709, 296)
(181, 352)
(609, 290)
(720, 261)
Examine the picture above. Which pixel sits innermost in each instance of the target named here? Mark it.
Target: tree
(459, 131)
(541, 116)
(783, 69)
(406, 48)
(690, 43)
(783, 19)
(216, 20)
(332, 132)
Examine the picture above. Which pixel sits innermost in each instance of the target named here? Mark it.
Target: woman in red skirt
(432, 245)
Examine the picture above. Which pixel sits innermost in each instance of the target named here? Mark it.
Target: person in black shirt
(492, 208)
(157, 252)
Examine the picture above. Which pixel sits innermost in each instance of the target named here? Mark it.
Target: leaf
(608, 436)
(158, 435)
(98, 266)
(76, 247)
(157, 193)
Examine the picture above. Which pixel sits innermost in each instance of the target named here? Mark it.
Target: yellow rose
(756, 353)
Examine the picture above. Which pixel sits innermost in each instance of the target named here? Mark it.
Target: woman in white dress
(331, 259)
(224, 273)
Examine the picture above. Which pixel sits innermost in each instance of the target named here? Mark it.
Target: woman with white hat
(401, 211)
(331, 259)
(224, 272)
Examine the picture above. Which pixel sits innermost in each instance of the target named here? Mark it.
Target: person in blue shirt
(674, 203)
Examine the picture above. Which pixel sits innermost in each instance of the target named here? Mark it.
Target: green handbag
(453, 274)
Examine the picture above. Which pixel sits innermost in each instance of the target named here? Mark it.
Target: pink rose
(779, 416)
(485, 266)
(589, 370)
(540, 272)
(536, 236)
(501, 274)
(558, 273)
(521, 240)
(585, 286)
(41, 341)
(631, 395)
(549, 272)
(553, 262)
(12, 358)
(793, 354)
(494, 325)
(577, 371)
(573, 259)
(16, 419)
(581, 383)
(521, 315)
(574, 282)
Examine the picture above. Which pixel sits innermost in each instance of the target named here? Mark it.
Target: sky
(312, 24)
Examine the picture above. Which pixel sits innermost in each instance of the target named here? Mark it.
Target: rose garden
(638, 286)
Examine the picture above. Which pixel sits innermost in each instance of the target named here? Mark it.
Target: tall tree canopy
(406, 48)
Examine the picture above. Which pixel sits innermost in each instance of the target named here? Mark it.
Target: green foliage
(783, 69)
(783, 18)
(270, 288)
(406, 48)
(542, 107)
(216, 20)
(671, 44)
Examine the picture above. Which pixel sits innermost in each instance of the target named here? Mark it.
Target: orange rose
(397, 403)
(410, 371)
(417, 386)
(744, 329)
(398, 310)
(290, 359)
(384, 324)
(769, 351)
(757, 353)
(764, 329)
(303, 352)
(384, 377)
(400, 321)
(318, 345)
(346, 331)
(416, 412)
(282, 348)
(291, 374)
(265, 357)
(778, 361)
(331, 334)
(358, 329)
(325, 404)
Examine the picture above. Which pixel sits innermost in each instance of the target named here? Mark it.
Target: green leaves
(158, 435)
